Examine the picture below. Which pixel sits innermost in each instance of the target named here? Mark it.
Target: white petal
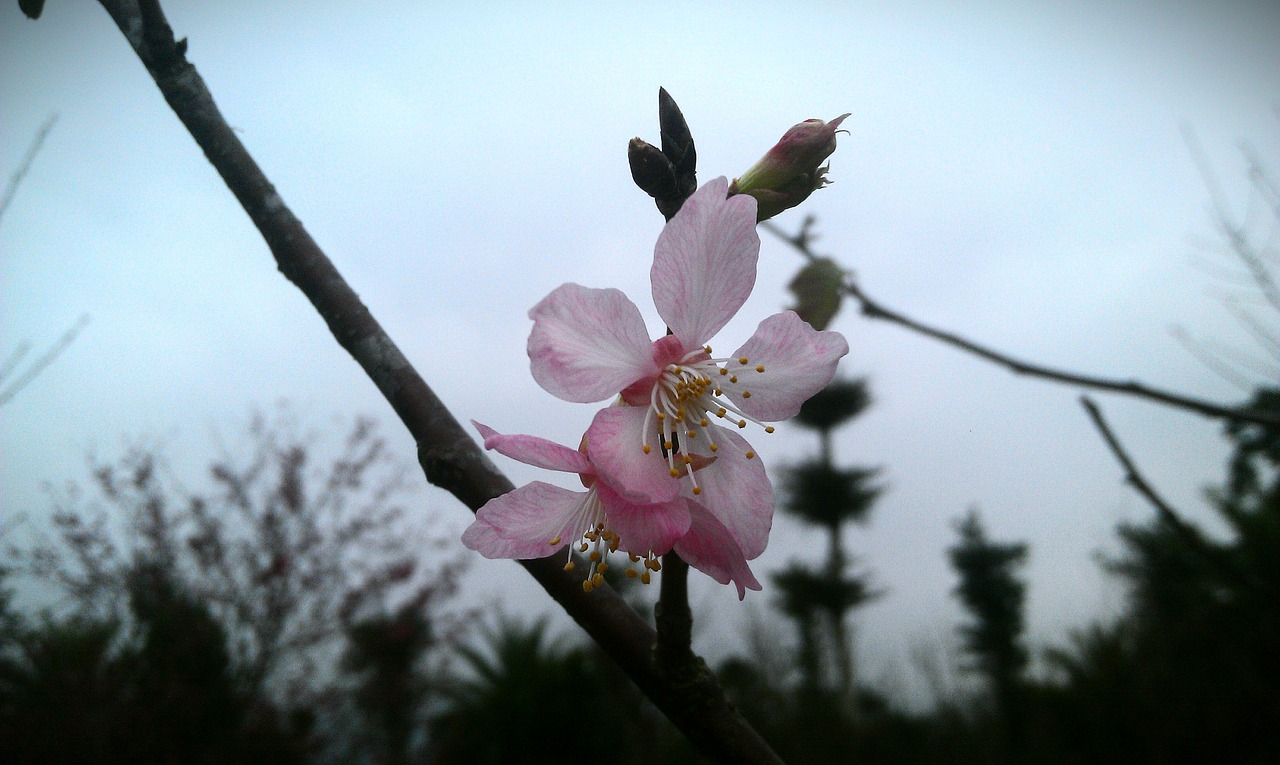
(798, 361)
(587, 344)
(735, 489)
(709, 547)
(532, 450)
(704, 265)
(521, 523)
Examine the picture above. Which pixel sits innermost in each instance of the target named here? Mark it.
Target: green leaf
(817, 291)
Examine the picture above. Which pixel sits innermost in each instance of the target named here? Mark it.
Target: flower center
(597, 541)
(684, 398)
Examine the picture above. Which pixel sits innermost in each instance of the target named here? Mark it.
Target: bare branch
(875, 310)
(1189, 535)
(11, 188)
(1166, 512)
(1210, 360)
(449, 457)
(15, 358)
(40, 364)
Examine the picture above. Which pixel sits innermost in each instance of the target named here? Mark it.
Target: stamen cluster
(601, 541)
(685, 395)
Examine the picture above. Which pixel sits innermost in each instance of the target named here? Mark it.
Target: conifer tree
(994, 596)
(820, 599)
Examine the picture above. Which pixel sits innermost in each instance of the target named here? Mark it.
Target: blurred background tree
(819, 600)
(994, 595)
(212, 623)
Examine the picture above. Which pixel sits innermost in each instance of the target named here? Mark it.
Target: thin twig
(1194, 541)
(875, 310)
(11, 188)
(14, 359)
(449, 457)
(40, 364)
(1134, 478)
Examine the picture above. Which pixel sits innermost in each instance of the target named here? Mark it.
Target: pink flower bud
(792, 169)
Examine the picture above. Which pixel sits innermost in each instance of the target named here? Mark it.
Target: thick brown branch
(449, 457)
(875, 310)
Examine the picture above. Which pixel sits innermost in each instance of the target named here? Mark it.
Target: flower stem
(673, 617)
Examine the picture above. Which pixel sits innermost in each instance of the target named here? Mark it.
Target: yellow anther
(697, 490)
(746, 394)
(674, 473)
(707, 348)
(645, 577)
(603, 567)
(587, 586)
(742, 359)
(583, 547)
(594, 556)
(634, 558)
(631, 573)
(691, 433)
(597, 580)
(733, 379)
(661, 417)
(721, 412)
(555, 541)
(647, 449)
(749, 455)
(742, 423)
(760, 368)
(688, 460)
(613, 545)
(703, 422)
(768, 428)
(668, 445)
(724, 371)
(569, 566)
(715, 447)
(657, 564)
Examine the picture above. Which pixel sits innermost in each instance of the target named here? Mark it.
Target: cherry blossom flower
(591, 344)
(539, 519)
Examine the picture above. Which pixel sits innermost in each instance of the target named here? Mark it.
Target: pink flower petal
(522, 523)
(614, 448)
(587, 344)
(643, 528)
(709, 547)
(704, 264)
(798, 360)
(736, 490)
(535, 451)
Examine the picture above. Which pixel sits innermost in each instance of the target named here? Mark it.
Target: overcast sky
(1013, 171)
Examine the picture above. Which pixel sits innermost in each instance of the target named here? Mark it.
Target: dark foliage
(993, 594)
(206, 627)
(1193, 670)
(526, 699)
